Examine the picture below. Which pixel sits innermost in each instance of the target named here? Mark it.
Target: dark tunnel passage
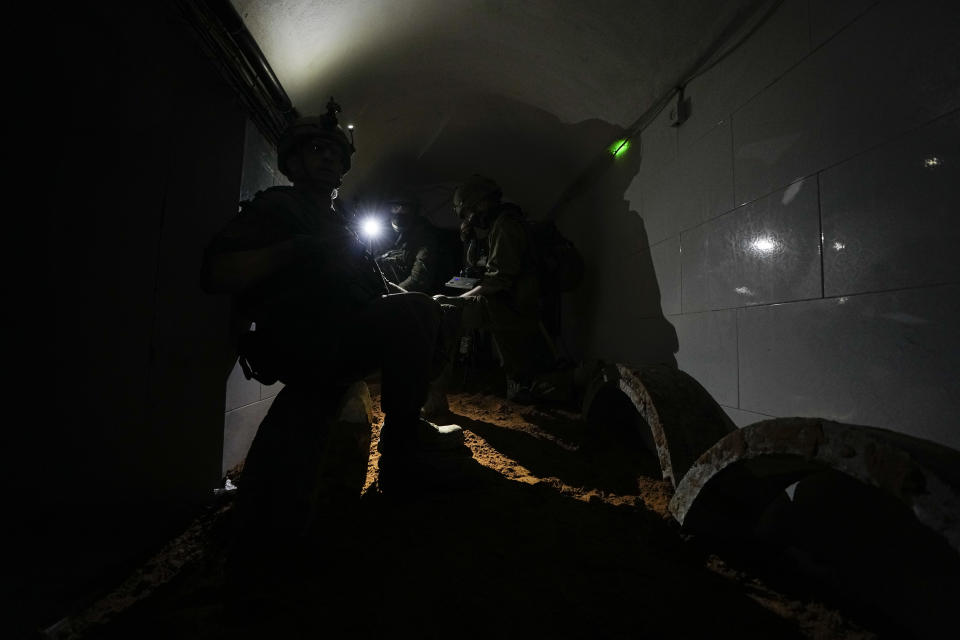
(762, 193)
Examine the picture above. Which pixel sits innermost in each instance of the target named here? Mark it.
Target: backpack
(559, 263)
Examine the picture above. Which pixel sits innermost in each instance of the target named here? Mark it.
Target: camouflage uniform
(414, 261)
(321, 324)
(318, 318)
(512, 315)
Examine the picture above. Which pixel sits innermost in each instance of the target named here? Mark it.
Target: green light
(619, 147)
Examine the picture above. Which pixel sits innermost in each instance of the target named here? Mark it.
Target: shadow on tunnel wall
(539, 160)
(616, 314)
(528, 151)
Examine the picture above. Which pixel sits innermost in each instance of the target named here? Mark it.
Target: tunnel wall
(119, 436)
(247, 401)
(790, 245)
(151, 171)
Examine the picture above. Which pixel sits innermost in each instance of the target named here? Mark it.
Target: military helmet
(310, 127)
(474, 189)
(404, 207)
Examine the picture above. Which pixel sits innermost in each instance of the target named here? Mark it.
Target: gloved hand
(442, 299)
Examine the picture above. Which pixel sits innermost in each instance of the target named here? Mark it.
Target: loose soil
(562, 531)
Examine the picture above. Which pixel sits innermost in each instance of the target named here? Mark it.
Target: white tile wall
(766, 251)
(666, 265)
(891, 217)
(782, 42)
(887, 360)
(891, 71)
(777, 137)
(690, 189)
(821, 130)
(240, 427)
(622, 232)
(247, 400)
(662, 194)
(706, 171)
(240, 391)
(708, 351)
(742, 418)
(634, 199)
(658, 144)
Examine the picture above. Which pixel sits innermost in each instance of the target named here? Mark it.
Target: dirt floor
(561, 531)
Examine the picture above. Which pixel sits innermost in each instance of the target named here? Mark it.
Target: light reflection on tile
(890, 216)
(764, 252)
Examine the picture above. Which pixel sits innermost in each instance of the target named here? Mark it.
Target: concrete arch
(736, 479)
(683, 419)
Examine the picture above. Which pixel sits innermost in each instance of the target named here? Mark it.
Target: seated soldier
(506, 302)
(324, 313)
(416, 260)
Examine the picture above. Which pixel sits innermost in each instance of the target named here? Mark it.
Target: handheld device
(462, 282)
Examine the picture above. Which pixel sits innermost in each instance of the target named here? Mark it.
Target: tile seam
(899, 136)
(933, 285)
(249, 404)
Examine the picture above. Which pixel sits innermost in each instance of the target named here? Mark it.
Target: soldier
(506, 301)
(325, 317)
(416, 261)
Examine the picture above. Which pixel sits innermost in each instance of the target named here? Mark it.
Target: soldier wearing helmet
(417, 259)
(325, 315)
(309, 133)
(506, 300)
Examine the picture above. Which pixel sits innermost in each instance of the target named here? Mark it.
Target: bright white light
(764, 245)
(930, 163)
(371, 227)
(350, 126)
(839, 246)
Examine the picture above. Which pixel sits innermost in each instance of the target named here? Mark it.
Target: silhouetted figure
(506, 301)
(420, 257)
(324, 318)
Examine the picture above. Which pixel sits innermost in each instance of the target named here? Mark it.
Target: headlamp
(371, 227)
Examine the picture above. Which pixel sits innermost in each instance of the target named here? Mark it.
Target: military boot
(422, 437)
(421, 456)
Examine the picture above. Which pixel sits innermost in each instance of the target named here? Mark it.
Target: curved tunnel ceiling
(526, 91)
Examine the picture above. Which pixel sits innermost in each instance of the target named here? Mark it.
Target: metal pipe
(234, 26)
